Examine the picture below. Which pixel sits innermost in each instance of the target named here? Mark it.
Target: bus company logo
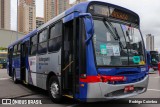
(6, 101)
(20, 101)
(44, 59)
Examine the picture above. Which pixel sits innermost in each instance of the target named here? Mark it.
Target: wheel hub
(54, 90)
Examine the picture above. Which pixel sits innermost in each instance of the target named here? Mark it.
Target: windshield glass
(154, 59)
(117, 44)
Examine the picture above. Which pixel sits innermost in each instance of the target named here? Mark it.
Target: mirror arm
(89, 38)
(90, 31)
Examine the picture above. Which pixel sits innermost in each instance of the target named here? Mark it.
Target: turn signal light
(149, 67)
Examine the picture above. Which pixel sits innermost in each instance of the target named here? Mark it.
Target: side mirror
(89, 26)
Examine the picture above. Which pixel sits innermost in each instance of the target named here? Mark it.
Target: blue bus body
(97, 83)
(153, 61)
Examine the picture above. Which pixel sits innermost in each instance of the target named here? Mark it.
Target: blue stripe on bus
(83, 92)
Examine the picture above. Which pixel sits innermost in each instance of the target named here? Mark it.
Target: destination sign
(115, 13)
(119, 15)
(101, 10)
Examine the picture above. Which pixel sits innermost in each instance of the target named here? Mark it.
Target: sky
(148, 10)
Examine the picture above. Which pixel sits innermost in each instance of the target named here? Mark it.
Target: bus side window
(15, 51)
(42, 42)
(33, 45)
(55, 37)
(18, 49)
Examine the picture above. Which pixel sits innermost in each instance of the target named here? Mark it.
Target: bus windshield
(117, 44)
(154, 58)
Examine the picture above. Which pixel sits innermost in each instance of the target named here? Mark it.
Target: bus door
(24, 56)
(70, 59)
(10, 55)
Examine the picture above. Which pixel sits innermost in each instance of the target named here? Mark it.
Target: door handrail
(68, 65)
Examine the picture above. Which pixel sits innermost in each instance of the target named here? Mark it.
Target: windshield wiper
(115, 33)
(114, 36)
(118, 38)
(127, 34)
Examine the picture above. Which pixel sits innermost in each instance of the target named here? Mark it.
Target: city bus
(3, 59)
(154, 59)
(94, 51)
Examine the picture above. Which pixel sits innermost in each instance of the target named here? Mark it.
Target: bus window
(33, 45)
(104, 39)
(154, 58)
(55, 37)
(42, 46)
(18, 49)
(15, 51)
(114, 48)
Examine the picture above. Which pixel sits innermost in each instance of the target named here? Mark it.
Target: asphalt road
(10, 90)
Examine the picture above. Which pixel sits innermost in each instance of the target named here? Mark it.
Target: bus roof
(68, 15)
(81, 8)
(25, 37)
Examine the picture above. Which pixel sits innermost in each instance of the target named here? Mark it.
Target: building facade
(79, 1)
(76, 2)
(39, 21)
(150, 42)
(26, 16)
(62, 5)
(5, 16)
(54, 7)
(8, 37)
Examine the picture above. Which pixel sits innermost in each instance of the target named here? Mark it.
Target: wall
(7, 37)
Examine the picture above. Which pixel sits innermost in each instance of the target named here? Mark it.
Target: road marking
(4, 79)
(153, 90)
(72, 105)
(155, 77)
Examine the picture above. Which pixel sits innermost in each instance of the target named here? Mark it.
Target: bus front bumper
(104, 91)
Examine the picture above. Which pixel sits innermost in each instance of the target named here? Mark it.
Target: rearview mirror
(89, 26)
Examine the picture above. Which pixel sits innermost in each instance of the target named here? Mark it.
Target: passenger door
(24, 57)
(10, 55)
(70, 59)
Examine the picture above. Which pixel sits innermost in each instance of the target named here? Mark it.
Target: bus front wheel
(54, 90)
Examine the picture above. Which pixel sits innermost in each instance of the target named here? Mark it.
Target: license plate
(128, 88)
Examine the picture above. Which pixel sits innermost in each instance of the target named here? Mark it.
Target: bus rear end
(154, 59)
(115, 57)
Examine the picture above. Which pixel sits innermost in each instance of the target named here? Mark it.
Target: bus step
(24, 82)
(69, 96)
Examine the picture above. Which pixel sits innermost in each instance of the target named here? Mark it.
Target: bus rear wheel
(14, 77)
(54, 90)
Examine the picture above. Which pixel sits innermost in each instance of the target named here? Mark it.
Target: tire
(14, 77)
(54, 90)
